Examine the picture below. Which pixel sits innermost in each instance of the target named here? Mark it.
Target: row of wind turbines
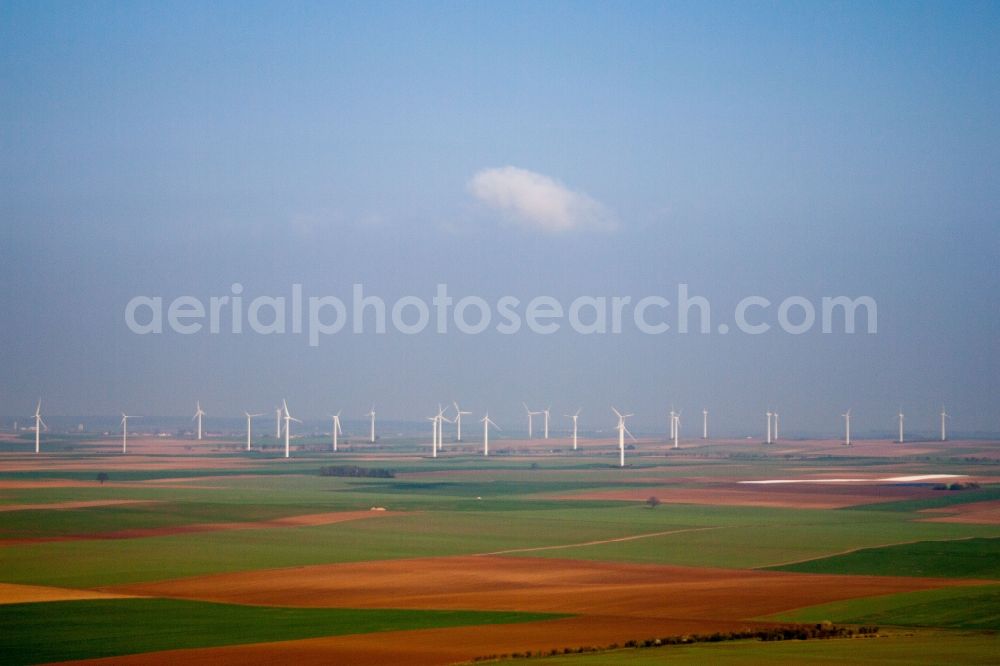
(900, 417)
(283, 419)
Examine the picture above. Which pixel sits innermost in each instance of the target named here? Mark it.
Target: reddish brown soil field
(11, 593)
(534, 584)
(982, 513)
(614, 603)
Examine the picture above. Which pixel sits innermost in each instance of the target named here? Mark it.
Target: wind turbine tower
(574, 417)
(768, 414)
(288, 419)
(677, 430)
(371, 436)
(197, 417)
(434, 435)
(38, 426)
(250, 417)
(622, 429)
(530, 415)
(776, 426)
(847, 427)
(704, 424)
(458, 422)
(944, 429)
(900, 417)
(125, 418)
(487, 422)
(336, 429)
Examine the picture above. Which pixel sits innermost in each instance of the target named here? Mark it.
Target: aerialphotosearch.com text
(319, 316)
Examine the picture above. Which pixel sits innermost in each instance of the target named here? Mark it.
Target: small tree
(653, 502)
(102, 477)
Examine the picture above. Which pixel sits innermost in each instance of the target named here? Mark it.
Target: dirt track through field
(602, 541)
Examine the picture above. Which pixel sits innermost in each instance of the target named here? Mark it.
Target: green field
(63, 630)
(975, 607)
(970, 558)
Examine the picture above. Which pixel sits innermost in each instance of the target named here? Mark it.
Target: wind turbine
(372, 415)
(441, 420)
(768, 413)
(125, 418)
(546, 412)
(704, 424)
(487, 422)
(336, 429)
(530, 415)
(847, 427)
(197, 416)
(900, 417)
(677, 429)
(458, 422)
(673, 423)
(277, 423)
(622, 429)
(944, 430)
(434, 439)
(438, 430)
(574, 417)
(38, 426)
(249, 418)
(288, 418)
(776, 426)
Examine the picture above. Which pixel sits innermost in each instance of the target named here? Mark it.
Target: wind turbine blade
(617, 412)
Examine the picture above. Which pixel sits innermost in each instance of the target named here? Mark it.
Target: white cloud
(538, 202)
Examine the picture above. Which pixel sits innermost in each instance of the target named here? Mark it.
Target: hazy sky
(522, 149)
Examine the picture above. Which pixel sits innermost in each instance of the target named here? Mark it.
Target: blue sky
(748, 148)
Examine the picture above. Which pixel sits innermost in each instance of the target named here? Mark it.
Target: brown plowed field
(139, 533)
(982, 513)
(533, 584)
(12, 593)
